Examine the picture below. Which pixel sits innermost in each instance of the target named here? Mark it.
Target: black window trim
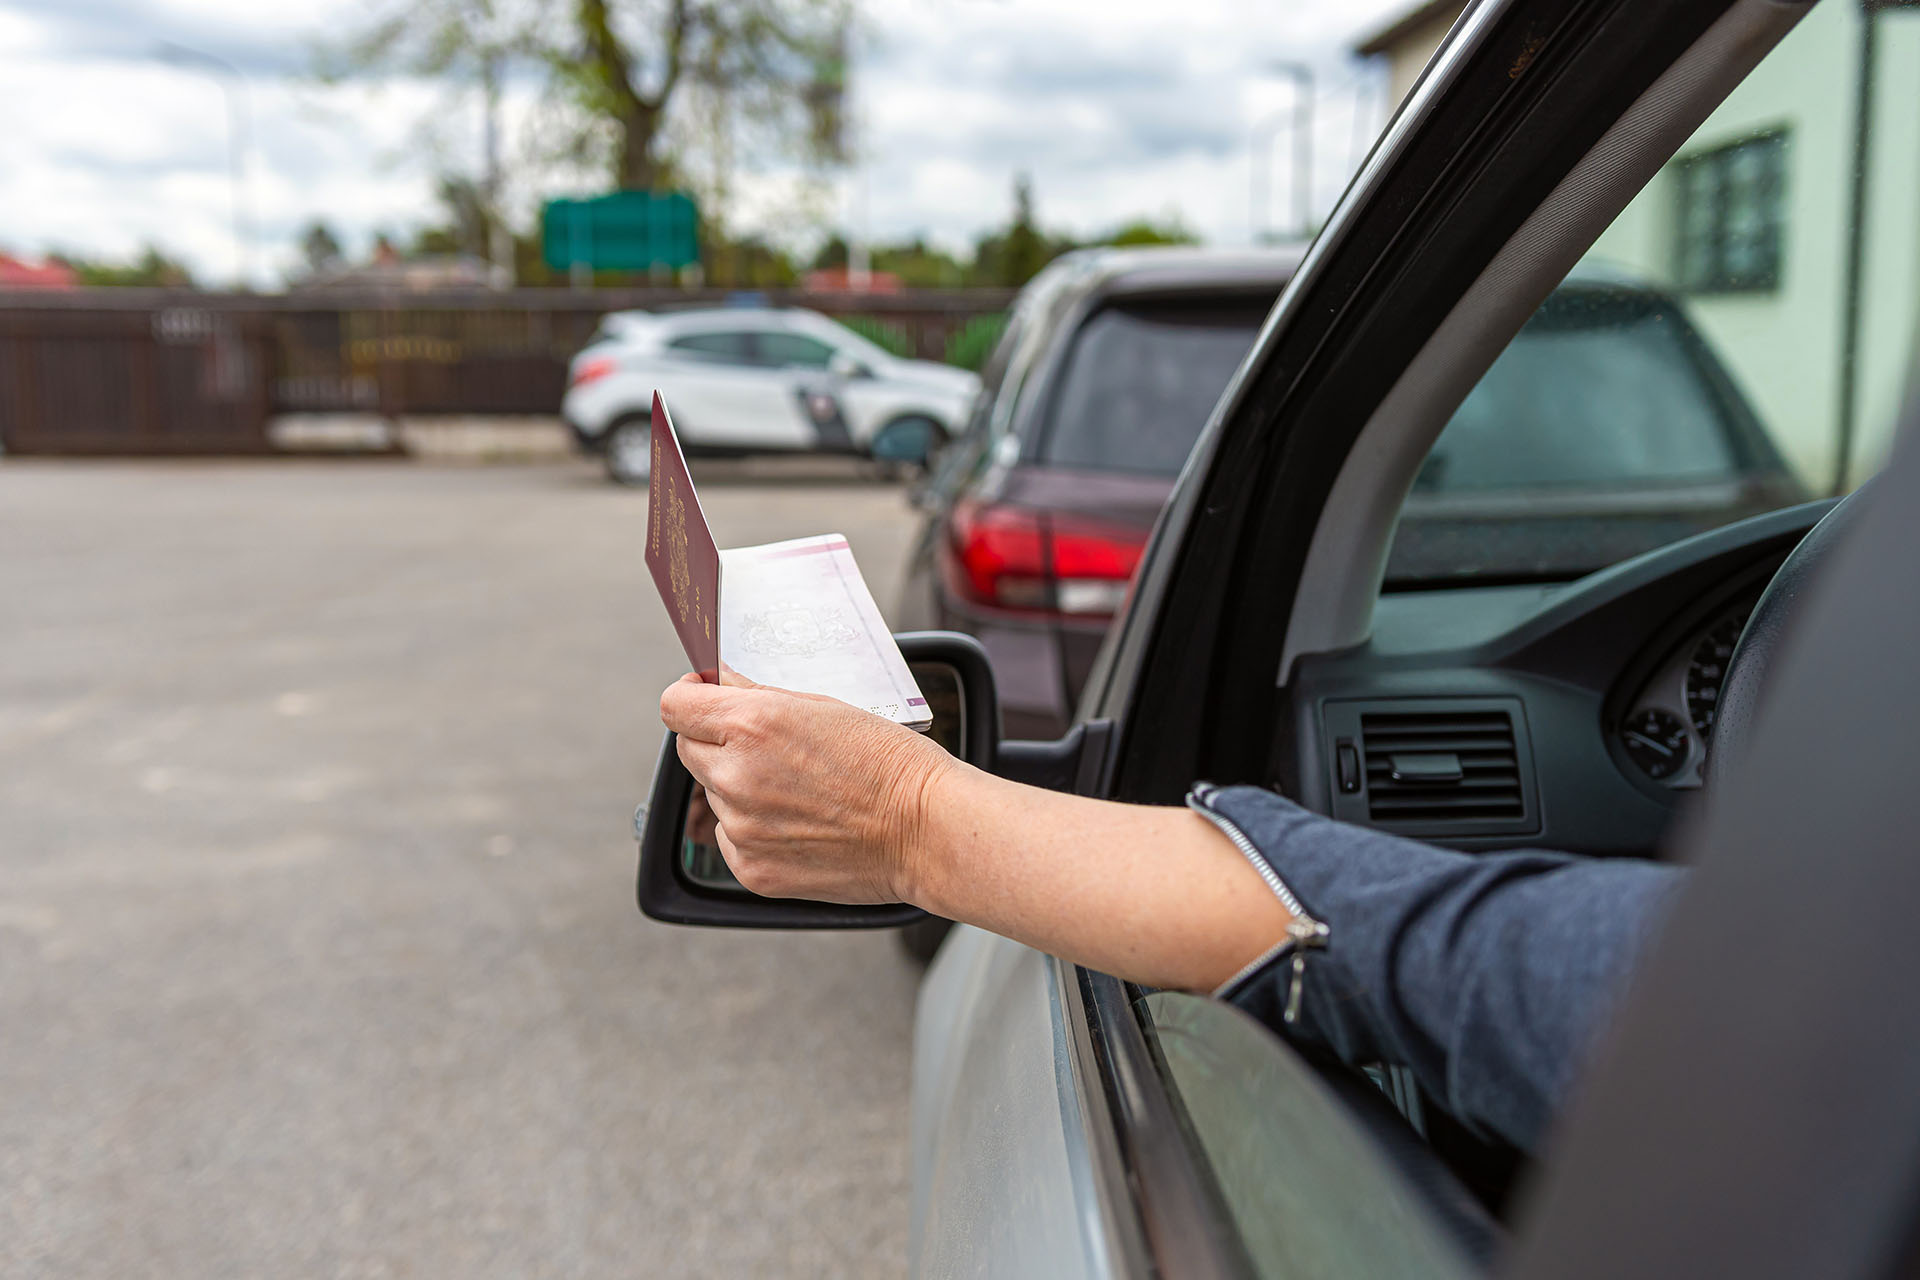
(1164, 1214)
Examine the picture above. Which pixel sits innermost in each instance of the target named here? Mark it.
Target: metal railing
(160, 371)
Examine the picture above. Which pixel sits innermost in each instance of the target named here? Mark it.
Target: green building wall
(1786, 345)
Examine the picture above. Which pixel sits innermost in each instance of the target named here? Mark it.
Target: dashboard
(1575, 716)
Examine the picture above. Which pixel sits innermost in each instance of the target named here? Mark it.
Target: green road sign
(625, 231)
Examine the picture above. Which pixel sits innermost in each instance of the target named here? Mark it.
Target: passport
(795, 614)
(681, 553)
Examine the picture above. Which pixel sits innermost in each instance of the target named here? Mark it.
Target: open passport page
(794, 614)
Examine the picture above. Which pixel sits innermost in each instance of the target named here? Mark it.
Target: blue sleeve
(1487, 975)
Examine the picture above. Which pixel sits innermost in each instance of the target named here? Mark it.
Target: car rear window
(1140, 381)
(1603, 389)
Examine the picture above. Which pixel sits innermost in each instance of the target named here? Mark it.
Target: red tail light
(1016, 558)
(592, 370)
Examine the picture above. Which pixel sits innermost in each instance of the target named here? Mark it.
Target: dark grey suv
(1607, 428)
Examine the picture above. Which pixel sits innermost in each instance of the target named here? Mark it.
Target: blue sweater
(1486, 974)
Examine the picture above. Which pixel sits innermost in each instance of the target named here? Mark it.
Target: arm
(817, 799)
(1486, 974)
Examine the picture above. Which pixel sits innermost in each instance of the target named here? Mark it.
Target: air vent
(1432, 766)
(1437, 768)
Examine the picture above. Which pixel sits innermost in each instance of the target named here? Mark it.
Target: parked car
(755, 380)
(1751, 1110)
(1090, 405)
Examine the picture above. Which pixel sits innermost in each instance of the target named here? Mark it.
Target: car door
(803, 363)
(725, 395)
(1533, 126)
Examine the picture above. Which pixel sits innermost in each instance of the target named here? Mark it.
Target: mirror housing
(682, 881)
(842, 365)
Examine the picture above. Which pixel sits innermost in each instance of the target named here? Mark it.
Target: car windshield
(1140, 382)
(1715, 356)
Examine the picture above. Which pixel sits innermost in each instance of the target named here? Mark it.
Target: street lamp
(234, 84)
(1300, 115)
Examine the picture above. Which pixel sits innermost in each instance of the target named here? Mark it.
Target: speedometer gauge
(1655, 740)
(1707, 671)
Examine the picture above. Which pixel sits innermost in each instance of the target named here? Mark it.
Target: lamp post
(234, 85)
(1302, 76)
(1300, 116)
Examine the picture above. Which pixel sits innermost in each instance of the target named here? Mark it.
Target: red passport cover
(681, 552)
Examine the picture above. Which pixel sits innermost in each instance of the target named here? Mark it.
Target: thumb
(728, 676)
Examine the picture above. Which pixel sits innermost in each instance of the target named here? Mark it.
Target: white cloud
(1114, 110)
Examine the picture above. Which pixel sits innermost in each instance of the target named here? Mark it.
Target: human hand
(815, 798)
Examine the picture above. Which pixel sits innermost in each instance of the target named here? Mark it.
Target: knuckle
(753, 874)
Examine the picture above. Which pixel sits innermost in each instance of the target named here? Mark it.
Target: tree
(746, 263)
(1142, 231)
(638, 81)
(919, 265)
(319, 247)
(152, 268)
(466, 224)
(1012, 257)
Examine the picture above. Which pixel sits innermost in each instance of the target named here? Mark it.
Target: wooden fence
(131, 371)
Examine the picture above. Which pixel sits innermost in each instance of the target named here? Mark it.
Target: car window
(784, 350)
(1308, 1190)
(726, 346)
(1139, 382)
(1714, 357)
(1604, 388)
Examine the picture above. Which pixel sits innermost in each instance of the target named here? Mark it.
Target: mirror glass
(700, 860)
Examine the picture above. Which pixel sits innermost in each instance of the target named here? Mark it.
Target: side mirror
(842, 365)
(684, 880)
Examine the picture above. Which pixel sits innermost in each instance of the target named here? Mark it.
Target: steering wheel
(1751, 665)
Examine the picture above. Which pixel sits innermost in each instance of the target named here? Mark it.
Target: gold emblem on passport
(677, 570)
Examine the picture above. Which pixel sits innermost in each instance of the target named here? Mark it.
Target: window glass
(730, 346)
(1140, 382)
(1606, 387)
(783, 350)
(1716, 355)
(1729, 204)
(1307, 1188)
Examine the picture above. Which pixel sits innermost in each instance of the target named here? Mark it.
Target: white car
(752, 380)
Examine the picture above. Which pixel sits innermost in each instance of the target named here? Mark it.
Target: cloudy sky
(1116, 108)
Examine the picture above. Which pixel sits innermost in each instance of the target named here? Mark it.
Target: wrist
(923, 857)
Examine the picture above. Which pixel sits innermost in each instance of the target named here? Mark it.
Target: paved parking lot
(318, 953)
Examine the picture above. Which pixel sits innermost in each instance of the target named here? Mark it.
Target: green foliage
(746, 263)
(890, 338)
(969, 348)
(919, 265)
(150, 269)
(1014, 256)
(652, 94)
(319, 247)
(1142, 231)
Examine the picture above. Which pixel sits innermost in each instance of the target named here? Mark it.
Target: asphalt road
(318, 951)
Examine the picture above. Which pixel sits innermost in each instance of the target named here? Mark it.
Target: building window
(1732, 216)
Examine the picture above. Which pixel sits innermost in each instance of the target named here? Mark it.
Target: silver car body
(765, 393)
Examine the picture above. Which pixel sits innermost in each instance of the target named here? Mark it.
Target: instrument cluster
(1668, 730)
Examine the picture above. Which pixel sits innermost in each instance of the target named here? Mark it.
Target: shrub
(970, 347)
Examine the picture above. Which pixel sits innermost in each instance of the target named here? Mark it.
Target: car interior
(1506, 708)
